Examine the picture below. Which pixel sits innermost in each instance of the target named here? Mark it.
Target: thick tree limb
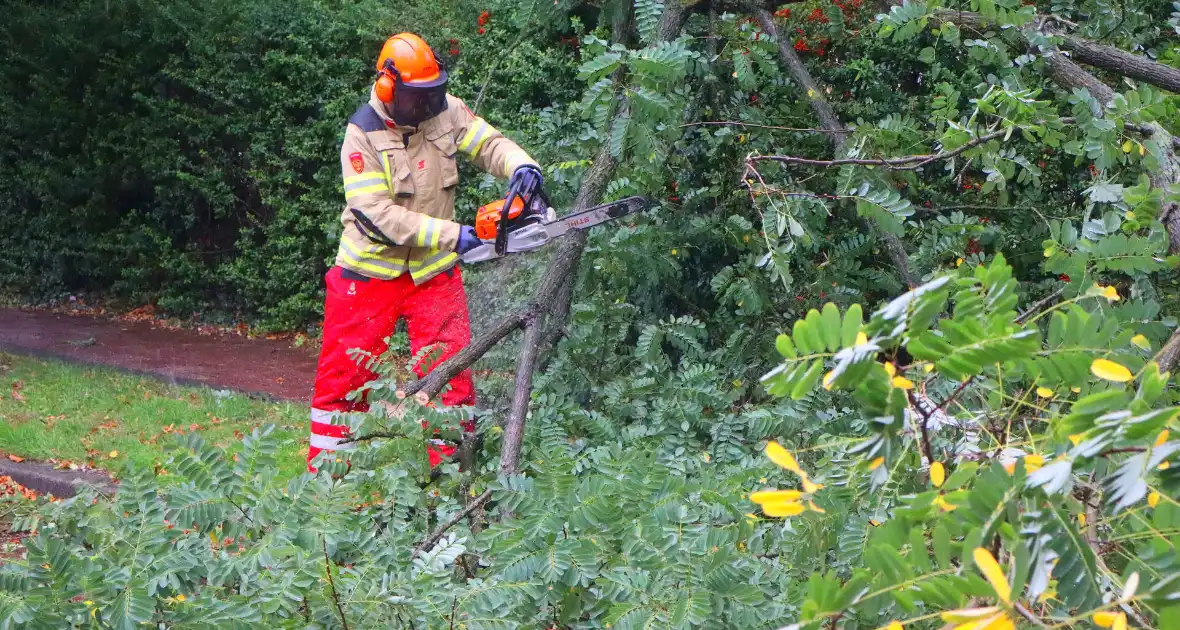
(1169, 355)
(1122, 63)
(430, 385)
(832, 127)
(530, 350)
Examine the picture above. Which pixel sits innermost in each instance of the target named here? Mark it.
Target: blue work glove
(526, 180)
(467, 240)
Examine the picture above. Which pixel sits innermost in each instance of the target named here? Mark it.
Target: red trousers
(361, 312)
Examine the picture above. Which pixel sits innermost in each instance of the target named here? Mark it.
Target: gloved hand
(526, 180)
(467, 240)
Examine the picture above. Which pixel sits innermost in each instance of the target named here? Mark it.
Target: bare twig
(332, 583)
(927, 448)
(735, 123)
(1040, 305)
(906, 163)
(1024, 612)
(437, 534)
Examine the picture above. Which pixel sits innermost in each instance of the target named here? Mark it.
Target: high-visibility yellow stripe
(388, 172)
(349, 195)
(430, 265)
(368, 261)
(362, 178)
(428, 231)
(475, 137)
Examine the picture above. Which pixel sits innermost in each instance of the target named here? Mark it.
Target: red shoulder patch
(358, 161)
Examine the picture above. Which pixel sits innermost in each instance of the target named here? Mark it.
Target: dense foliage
(751, 420)
(186, 155)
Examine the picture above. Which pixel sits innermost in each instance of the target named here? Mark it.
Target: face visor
(415, 103)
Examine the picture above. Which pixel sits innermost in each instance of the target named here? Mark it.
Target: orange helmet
(406, 60)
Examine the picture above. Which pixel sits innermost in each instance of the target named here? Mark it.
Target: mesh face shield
(416, 103)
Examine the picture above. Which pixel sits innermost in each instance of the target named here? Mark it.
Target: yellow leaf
(928, 368)
(1153, 499)
(1111, 371)
(1033, 463)
(1081, 519)
(995, 575)
(180, 598)
(1076, 390)
(783, 458)
(876, 463)
(890, 369)
(958, 262)
(1120, 622)
(783, 510)
(1127, 146)
(861, 339)
(902, 382)
(937, 474)
(1044, 392)
(828, 379)
(941, 502)
(969, 614)
(810, 93)
(815, 508)
(1161, 439)
(88, 602)
(1111, 294)
(894, 625)
(1164, 466)
(775, 496)
(1141, 341)
(1105, 618)
(811, 487)
(113, 454)
(1142, 149)
(1076, 438)
(674, 251)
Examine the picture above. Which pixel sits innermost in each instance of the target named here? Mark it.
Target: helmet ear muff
(386, 86)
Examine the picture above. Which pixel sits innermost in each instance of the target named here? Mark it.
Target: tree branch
(906, 163)
(332, 583)
(832, 127)
(1168, 355)
(1122, 63)
(437, 534)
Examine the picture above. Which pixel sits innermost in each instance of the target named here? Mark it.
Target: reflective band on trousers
(331, 443)
(330, 422)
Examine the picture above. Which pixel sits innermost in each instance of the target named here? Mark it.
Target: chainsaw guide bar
(534, 235)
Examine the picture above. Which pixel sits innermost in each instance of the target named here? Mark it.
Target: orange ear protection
(386, 86)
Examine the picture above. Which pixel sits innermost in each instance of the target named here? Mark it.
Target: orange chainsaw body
(487, 218)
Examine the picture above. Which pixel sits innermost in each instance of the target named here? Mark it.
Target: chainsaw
(532, 222)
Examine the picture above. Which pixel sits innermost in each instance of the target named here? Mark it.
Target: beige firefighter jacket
(399, 187)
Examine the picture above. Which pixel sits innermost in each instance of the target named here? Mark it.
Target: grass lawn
(103, 418)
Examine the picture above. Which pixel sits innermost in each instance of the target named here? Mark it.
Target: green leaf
(830, 327)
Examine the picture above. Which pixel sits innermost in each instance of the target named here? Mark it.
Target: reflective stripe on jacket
(399, 187)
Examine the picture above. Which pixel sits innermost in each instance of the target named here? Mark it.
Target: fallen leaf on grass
(16, 387)
(194, 427)
(16, 458)
(113, 454)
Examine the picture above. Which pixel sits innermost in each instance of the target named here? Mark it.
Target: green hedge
(186, 153)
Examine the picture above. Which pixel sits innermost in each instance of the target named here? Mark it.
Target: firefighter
(400, 245)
